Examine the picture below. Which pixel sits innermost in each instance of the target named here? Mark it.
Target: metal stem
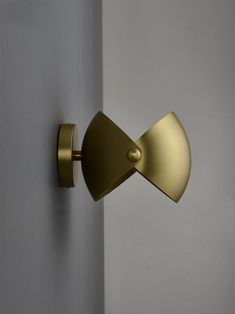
(77, 155)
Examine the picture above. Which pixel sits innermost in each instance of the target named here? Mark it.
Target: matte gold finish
(67, 143)
(108, 157)
(166, 157)
(104, 156)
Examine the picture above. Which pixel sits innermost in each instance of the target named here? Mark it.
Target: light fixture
(108, 156)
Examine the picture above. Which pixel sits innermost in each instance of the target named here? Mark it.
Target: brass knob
(134, 154)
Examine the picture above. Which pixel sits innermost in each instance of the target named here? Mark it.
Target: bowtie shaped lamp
(108, 156)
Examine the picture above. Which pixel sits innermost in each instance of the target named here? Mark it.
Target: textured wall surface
(51, 239)
(161, 56)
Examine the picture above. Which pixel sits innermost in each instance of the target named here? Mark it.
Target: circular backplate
(67, 142)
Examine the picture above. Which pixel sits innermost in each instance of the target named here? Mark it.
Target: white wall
(160, 56)
(51, 238)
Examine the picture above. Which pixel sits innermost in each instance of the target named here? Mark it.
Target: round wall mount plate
(67, 143)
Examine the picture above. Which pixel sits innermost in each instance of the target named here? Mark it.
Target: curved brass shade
(162, 155)
(104, 156)
(166, 157)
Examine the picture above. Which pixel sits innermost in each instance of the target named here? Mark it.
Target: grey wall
(51, 239)
(160, 56)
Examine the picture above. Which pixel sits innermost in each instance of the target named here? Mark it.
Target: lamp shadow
(60, 208)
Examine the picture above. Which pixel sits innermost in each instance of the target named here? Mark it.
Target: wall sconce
(108, 156)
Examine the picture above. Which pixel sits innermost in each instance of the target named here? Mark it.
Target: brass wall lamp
(108, 156)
